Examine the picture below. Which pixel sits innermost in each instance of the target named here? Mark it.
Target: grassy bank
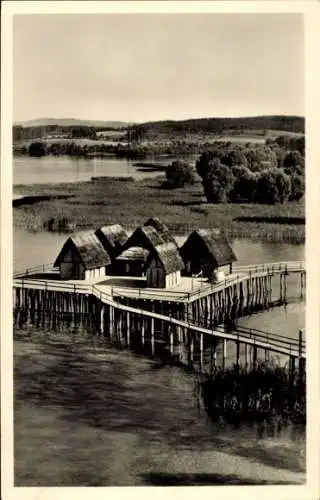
(130, 202)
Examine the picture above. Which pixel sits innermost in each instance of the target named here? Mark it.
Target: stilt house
(134, 255)
(207, 251)
(131, 262)
(162, 229)
(144, 237)
(163, 268)
(113, 238)
(82, 257)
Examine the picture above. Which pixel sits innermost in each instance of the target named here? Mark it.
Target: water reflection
(80, 334)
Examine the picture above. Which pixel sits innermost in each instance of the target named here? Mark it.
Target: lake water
(139, 420)
(51, 169)
(129, 421)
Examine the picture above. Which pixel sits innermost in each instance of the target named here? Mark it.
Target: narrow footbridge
(108, 303)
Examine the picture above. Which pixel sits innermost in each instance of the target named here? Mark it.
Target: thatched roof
(169, 257)
(134, 253)
(113, 238)
(145, 237)
(161, 228)
(89, 249)
(215, 244)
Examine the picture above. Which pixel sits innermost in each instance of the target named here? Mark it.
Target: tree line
(20, 133)
(221, 125)
(233, 173)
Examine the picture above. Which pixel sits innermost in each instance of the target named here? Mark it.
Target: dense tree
(295, 143)
(261, 158)
(293, 162)
(37, 148)
(83, 132)
(234, 156)
(207, 161)
(218, 182)
(244, 187)
(180, 173)
(273, 186)
(297, 187)
(136, 133)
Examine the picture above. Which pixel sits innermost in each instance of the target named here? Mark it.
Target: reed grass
(268, 391)
(130, 202)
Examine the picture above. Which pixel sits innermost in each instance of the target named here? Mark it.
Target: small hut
(82, 257)
(144, 237)
(207, 251)
(113, 239)
(163, 268)
(131, 262)
(162, 229)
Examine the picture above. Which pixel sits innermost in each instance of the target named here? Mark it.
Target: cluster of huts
(150, 251)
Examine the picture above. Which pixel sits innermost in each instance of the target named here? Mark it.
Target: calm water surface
(173, 438)
(51, 169)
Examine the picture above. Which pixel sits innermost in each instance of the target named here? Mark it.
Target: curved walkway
(264, 340)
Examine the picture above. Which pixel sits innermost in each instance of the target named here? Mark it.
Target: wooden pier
(185, 326)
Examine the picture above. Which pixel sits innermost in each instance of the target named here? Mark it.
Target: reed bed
(267, 392)
(131, 202)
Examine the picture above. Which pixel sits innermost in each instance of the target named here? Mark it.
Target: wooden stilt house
(82, 257)
(162, 229)
(164, 265)
(131, 262)
(207, 251)
(144, 237)
(113, 238)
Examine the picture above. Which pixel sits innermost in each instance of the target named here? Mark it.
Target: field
(130, 202)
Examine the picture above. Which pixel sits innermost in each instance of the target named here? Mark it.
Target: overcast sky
(143, 67)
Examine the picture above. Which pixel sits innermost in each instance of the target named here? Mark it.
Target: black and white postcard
(159, 262)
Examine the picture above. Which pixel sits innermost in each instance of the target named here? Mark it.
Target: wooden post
(224, 353)
(291, 371)
(120, 325)
(143, 330)
(201, 351)
(254, 356)
(102, 320)
(238, 354)
(111, 321)
(285, 288)
(266, 355)
(301, 360)
(246, 357)
(171, 339)
(191, 346)
(179, 335)
(152, 336)
(211, 357)
(128, 328)
(301, 285)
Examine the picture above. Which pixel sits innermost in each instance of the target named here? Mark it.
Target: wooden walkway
(108, 298)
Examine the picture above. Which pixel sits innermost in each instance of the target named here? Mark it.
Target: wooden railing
(260, 339)
(263, 340)
(51, 285)
(272, 267)
(34, 270)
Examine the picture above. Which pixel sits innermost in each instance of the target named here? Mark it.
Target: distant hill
(71, 122)
(294, 124)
